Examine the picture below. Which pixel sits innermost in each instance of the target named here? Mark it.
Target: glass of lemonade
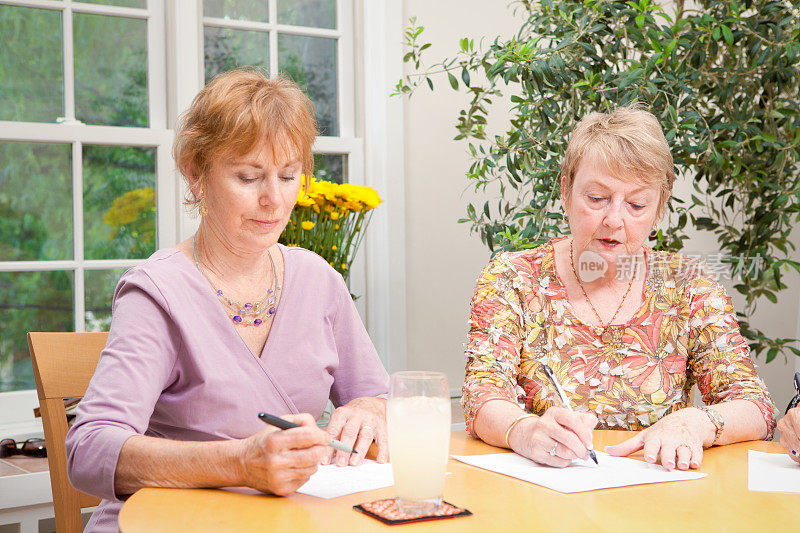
(418, 420)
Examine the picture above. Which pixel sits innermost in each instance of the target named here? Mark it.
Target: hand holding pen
(280, 462)
(566, 403)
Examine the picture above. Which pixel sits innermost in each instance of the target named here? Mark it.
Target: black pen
(280, 423)
(794, 401)
(565, 401)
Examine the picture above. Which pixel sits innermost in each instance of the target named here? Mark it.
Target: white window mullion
(36, 266)
(345, 60)
(77, 225)
(69, 65)
(273, 39)
(156, 65)
(167, 194)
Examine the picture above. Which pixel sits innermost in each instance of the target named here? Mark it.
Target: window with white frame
(86, 188)
(310, 41)
(87, 184)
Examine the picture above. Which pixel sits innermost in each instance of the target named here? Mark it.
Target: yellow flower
(336, 226)
(127, 208)
(334, 216)
(333, 247)
(344, 266)
(307, 225)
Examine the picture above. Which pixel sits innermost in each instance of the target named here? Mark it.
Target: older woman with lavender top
(229, 323)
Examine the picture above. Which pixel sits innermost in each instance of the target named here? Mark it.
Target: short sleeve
(493, 343)
(360, 372)
(719, 358)
(133, 370)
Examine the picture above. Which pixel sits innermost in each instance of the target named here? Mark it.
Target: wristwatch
(717, 420)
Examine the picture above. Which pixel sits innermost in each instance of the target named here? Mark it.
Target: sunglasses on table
(30, 448)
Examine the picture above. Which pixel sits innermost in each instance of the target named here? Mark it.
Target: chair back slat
(63, 365)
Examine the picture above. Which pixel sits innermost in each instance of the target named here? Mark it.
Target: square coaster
(387, 512)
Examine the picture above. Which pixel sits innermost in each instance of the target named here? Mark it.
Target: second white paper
(331, 481)
(772, 472)
(582, 476)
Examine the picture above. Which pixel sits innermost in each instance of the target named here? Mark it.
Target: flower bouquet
(330, 219)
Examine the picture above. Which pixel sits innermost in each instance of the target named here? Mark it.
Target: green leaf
(728, 35)
(771, 354)
(465, 76)
(453, 81)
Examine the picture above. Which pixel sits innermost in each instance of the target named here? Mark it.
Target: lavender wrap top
(175, 366)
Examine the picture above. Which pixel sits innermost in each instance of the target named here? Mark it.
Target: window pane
(99, 287)
(311, 62)
(35, 201)
(330, 167)
(226, 49)
(110, 70)
(122, 3)
(119, 202)
(31, 66)
(253, 10)
(315, 13)
(30, 301)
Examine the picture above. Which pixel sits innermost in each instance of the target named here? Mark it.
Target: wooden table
(718, 502)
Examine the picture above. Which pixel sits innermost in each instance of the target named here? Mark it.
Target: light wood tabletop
(718, 502)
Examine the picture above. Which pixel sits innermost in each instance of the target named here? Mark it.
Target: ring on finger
(552, 451)
(683, 446)
(365, 426)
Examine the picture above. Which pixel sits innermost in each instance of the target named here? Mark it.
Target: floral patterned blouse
(629, 375)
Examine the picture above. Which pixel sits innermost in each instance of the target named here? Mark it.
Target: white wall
(442, 258)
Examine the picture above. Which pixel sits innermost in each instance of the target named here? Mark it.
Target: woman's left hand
(357, 424)
(677, 438)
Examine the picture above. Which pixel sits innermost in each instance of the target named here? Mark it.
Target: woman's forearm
(493, 420)
(154, 462)
(743, 421)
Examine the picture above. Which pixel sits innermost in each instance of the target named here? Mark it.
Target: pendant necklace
(606, 335)
(247, 313)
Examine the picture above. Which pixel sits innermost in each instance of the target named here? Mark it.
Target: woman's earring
(654, 233)
(564, 219)
(203, 209)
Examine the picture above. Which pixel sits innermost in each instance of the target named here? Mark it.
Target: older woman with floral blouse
(627, 330)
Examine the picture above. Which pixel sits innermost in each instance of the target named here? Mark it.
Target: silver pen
(564, 400)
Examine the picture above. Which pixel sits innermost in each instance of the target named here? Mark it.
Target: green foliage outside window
(723, 80)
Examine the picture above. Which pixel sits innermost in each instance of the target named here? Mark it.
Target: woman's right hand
(565, 433)
(280, 462)
(789, 426)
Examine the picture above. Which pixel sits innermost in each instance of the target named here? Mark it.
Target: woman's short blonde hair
(235, 112)
(629, 142)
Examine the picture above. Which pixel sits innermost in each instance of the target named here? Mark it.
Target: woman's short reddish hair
(236, 111)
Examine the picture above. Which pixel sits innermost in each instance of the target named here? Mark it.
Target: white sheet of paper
(331, 481)
(582, 475)
(772, 472)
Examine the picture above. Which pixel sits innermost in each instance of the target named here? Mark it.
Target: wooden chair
(63, 364)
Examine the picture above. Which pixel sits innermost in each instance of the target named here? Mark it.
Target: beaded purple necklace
(245, 314)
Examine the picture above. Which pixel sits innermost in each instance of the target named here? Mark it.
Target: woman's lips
(267, 224)
(609, 243)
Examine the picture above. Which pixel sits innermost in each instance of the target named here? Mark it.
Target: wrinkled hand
(789, 427)
(280, 462)
(357, 424)
(566, 433)
(677, 439)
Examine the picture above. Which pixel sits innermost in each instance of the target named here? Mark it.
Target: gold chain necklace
(606, 336)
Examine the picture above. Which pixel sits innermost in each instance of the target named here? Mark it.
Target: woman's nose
(269, 193)
(613, 218)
